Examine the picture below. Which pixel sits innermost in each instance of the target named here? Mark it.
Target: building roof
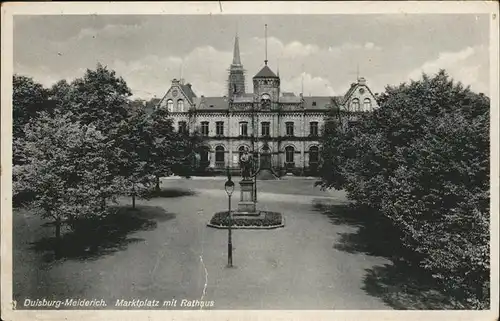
(151, 105)
(310, 102)
(243, 99)
(339, 100)
(290, 99)
(209, 103)
(265, 72)
(320, 102)
(188, 91)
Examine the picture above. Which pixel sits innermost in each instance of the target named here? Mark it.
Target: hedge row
(266, 219)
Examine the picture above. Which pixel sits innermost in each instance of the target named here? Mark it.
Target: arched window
(313, 155)
(170, 105)
(180, 105)
(289, 154)
(367, 104)
(219, 156)
(355, 104)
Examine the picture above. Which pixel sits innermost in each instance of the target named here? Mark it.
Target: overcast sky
(148, 51)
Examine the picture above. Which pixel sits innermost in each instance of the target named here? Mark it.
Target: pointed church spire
(236, 51)
(236, 79)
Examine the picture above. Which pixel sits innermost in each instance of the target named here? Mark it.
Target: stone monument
(247, 204)
(247, 216)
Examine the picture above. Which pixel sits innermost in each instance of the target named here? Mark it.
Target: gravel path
(296, 267)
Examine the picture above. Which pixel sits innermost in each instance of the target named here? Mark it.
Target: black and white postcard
(250, 161)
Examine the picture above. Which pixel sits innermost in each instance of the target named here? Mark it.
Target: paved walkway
(296, 267)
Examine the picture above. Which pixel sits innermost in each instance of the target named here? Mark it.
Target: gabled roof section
(319, 102)
(243, 99)
(338, 100)
(265, 72)
(354, 86)
(290, 99)
(212, 103)
(348, 94)
(188, 92)
(152, 105)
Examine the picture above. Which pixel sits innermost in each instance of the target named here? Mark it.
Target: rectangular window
(313, 128)
(289, 128)
(244, 129)
(219, 128)
(204, 128)
(265, 128)
(182, 127)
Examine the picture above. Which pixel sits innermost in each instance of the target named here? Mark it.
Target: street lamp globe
(229, 187)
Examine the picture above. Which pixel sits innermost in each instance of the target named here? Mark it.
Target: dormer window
(314, 103)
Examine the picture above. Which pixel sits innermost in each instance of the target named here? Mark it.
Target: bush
(422, 160)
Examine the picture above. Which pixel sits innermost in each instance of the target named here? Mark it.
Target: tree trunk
(103, 203)
(133, 196)
(157, 187)
(57, 248)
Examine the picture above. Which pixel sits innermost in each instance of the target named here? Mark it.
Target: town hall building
(280, 129)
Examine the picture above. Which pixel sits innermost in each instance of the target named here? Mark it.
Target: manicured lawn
(169, 253)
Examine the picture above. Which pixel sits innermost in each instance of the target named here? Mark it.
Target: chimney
(361, 81)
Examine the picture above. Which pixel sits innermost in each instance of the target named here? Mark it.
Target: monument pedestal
(246, 204)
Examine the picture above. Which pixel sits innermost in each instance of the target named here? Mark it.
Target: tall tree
(422, 160)
(163, 153)
(134, 161)
(100, 98)
(28, 99)
(65, 167)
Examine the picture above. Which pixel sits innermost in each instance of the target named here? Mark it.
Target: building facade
(281, 129)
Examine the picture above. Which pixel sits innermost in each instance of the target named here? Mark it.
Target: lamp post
(229, 187)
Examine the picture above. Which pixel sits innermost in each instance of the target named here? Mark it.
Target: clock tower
(266, 87)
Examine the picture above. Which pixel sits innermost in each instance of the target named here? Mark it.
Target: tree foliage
(65, 167)
(100, 98)
(422, 160)
(172, 152)
(135, 147)
(134, 154)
